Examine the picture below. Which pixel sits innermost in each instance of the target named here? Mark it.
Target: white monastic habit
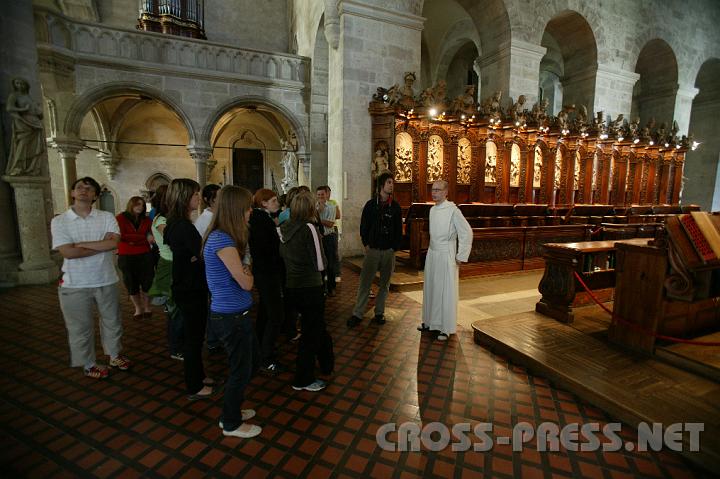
(448, 228)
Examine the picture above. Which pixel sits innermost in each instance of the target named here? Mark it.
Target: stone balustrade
(97, 43)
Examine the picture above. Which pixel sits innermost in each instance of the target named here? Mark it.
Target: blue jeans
(235, 330)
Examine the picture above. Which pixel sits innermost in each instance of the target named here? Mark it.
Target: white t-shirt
(92, 271)
(203, 221)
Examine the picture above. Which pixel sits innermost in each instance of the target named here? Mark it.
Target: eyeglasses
(438, 189)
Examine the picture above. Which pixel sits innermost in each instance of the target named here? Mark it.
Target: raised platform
(630, 388)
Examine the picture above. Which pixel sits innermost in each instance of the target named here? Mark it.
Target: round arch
(84, 103)
(655, 92)
(254, 101)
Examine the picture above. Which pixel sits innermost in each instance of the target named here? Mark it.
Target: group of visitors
(205, 272)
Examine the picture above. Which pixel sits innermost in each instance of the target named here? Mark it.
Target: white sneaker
(245, 431)
(318, 385)
(245, 415)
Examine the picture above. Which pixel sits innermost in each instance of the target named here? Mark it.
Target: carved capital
(200, 154)
(110, 163)
(67, 147)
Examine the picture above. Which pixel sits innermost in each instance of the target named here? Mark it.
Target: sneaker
(178, 356)
(318, 385)
(245, 415)
(353, 321)
(245, 431)
(379, 319)
(442, 337)
(297, 337)
(120, 362)
(338, 279)
(95, 372)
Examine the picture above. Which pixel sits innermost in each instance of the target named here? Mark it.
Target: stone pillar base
(37, 266)
(39, 276)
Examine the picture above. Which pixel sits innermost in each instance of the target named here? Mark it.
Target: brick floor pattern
(57, 423)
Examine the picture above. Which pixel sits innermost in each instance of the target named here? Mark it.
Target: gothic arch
(83, 104)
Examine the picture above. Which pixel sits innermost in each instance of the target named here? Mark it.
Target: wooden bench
(593, 260)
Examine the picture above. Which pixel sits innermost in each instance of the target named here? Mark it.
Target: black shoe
(379, 319)
(423, 328)
(331, 294)
(273, 368)
(353, 321)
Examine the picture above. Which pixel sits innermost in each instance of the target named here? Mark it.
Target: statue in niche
(435, 97)
(539, 111)
(27, 148)
(407, 95)
(465, 103)
(289, 164)
(403, 163)
(517, 110)
(492, 106)
(380, 162)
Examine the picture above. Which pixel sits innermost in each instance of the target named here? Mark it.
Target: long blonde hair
(231, 204)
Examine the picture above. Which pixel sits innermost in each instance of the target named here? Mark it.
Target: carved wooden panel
(435, 159)
(515, 165)
(464, 161)
(491, 154)
(403, 158)
(537, 167)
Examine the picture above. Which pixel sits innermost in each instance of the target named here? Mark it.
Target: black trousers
(194, 309)
(271, 314)
(330, 245)
(315, 342)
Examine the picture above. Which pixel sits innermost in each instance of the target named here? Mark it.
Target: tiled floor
(56, 423)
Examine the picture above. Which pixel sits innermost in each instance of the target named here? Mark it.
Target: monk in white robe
(450, 243)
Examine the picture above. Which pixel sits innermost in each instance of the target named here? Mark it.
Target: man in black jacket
(381, 232)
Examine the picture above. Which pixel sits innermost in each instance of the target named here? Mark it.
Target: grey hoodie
(297, 248)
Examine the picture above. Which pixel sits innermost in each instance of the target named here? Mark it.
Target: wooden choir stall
(522, 177)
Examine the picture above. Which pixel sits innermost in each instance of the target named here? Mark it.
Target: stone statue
(465, 103)
(289, 163)
(28, 146)
(379, 164)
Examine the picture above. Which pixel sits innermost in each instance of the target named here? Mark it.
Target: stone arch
(702, 184)
(84, 102)
(215, 118)
(655, 92)
(571, 41)
(156, 179)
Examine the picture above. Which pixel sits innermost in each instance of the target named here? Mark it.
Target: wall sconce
(651, 143)
(636, 141)
(694, 146)
(432, 112)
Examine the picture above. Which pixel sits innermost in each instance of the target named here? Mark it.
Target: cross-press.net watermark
(547, 436)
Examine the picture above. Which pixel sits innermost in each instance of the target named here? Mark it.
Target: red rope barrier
(617, 318)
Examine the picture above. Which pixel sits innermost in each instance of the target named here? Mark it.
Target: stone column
(375, 48)
(37, 267)
(305, 169)
(683, 107)
(514, 69)
(18, 58)
(613, 91)
(201, 156)
(68, 150)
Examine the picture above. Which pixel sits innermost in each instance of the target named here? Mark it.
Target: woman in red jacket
(134, 257)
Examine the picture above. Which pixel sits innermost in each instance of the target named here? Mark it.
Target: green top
(165, 251)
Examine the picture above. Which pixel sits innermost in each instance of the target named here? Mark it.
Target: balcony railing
(93, 43)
